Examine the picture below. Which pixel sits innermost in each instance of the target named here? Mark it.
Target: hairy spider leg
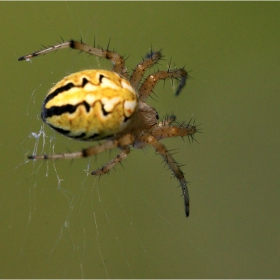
(151, 81)
(164, 131)
(125, 140)
(111, 164)
(117, 60)
(173, 165)
(140, 69)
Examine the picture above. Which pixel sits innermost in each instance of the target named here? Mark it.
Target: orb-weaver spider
(111, 105)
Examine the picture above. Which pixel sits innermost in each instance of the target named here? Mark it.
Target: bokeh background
(57, 221)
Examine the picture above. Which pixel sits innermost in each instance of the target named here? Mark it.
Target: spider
(111, 105)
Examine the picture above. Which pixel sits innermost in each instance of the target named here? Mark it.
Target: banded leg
(111, 164)
(150, 60)
(108, 145)
(166, 130)
(177, 172)
(151, 81)
(116, 59)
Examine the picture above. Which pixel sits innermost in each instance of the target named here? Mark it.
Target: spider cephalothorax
(111, 105)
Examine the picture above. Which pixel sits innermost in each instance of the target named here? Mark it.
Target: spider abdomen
(90, 105)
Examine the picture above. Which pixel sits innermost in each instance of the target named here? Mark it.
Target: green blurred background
(56, 221)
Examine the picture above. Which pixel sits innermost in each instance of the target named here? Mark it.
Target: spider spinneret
(98, 104)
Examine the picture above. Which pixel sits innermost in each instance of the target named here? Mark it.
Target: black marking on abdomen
(64, 88)
(87, 106)
(60, 130)
(101, 77)
(59, 110)
(67, 132)
(82, 135)
(95, 135)
(105, 113)
(58, 91)
(85, 81)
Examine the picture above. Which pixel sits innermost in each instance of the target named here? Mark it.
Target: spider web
(73, 228)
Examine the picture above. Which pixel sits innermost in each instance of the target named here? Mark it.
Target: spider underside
(144, 128)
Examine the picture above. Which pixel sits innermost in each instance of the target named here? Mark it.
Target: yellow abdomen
(90, 105)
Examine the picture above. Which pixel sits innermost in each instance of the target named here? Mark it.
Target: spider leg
(151, 81)
(108, 166)
(165, 130)
(108, 145)
(177, 172)
(140, 69)
(117, 60)
(167, 120)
